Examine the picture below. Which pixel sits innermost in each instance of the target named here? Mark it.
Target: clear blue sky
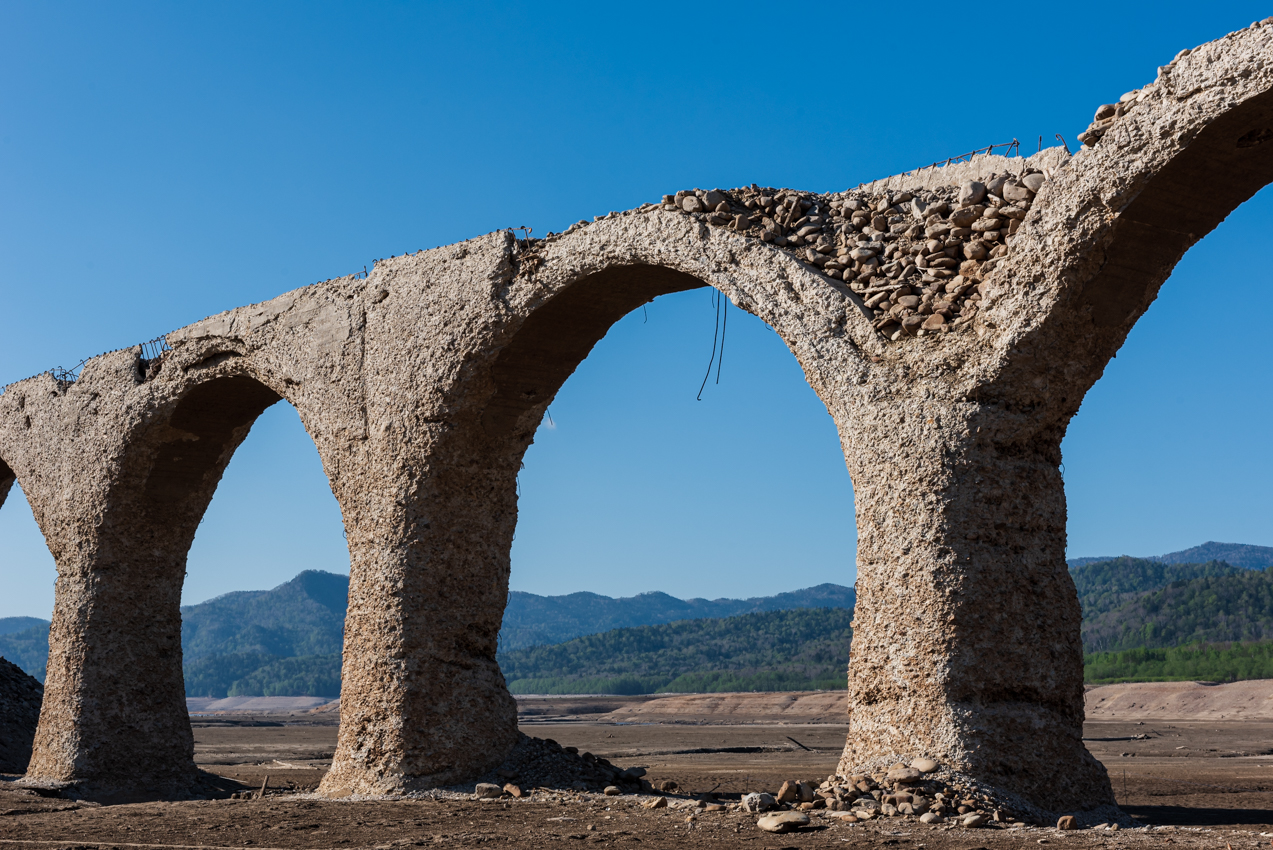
(161, 162)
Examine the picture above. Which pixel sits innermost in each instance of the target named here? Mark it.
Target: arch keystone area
(951, 320)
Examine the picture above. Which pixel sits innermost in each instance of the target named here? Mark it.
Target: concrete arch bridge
(951, 320)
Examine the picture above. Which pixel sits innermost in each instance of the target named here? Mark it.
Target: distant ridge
(531, 620)
(10, 625)
(287, 641)
(1242, 555)
(791, 650)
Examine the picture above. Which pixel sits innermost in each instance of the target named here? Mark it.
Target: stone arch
(557, 336)
(1175, 160)
(1226, 163)
(1105, 230)
(115, 667)
(447, 716)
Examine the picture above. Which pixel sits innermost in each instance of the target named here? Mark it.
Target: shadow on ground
(1190, 816)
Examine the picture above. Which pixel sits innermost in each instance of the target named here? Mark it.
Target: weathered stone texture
(422, 386)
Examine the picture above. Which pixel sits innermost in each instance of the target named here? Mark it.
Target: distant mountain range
(532, 620)
(1107, 585)
(9, 625)
(792, 650)
(1221, 604)
(287, 641)
(1236, 554)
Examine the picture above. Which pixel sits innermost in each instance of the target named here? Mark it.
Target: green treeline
(804, 649)
(1106, 585)
(1237, 607)
(258, 674)
(1223, 662)
(1143, 620)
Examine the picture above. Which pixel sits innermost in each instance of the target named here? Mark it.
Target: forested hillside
(1223, 662)
(27, 647)
(1142, 619)
(287, 641)
(1241, 555)
(780, 650)
(11, 625)
(1106, 585)
(531, 620)
(1236, 607)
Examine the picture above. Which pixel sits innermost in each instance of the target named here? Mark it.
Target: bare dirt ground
(1204, 783)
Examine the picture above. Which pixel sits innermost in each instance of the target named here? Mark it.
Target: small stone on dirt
(783, 822)
(904, 775)
(758, 802)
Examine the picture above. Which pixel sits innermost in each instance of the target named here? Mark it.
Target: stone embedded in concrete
(422, 386)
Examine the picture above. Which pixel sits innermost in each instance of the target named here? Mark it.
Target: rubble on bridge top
(917, 259)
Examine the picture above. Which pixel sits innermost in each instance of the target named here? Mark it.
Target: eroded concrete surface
(422, 386)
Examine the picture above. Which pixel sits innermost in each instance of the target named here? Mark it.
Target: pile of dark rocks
(916, 259)
(921, 791)
(537, 763)
(20, 699)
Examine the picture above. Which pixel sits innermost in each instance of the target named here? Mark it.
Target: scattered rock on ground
(783, 822)
(758, 802)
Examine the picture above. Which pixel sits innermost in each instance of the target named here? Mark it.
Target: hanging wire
(647, 314)
(715, 337)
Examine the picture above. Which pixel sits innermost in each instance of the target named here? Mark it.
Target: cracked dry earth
(1191, 784)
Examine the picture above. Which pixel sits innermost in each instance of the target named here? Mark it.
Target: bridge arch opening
(747, 492)
(1224, 162)
(1163, 453)
(28, 578)
(266, 583)
(558, 335)
(27, 553)
(426, 608)
(29, 575)
(118, 618)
